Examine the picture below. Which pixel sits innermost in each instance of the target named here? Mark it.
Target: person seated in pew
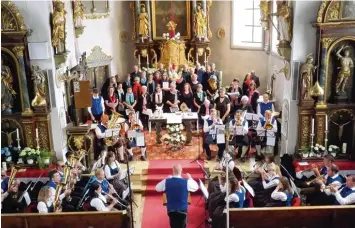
(134, 123)
(55, 179)
(261, 169)
(98, 202)
(265, 105)
(4, 181)
(240, 142)
(282, 195)
(272, 178)
(210, 135)
(322, 195)
(112, 172)
(14, 201)
(44, 205)
(346, 195)
(237, 193)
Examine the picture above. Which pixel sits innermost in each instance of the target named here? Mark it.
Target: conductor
(177, 190)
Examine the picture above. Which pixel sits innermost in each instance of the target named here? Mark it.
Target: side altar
(171, 33)
(327, 94)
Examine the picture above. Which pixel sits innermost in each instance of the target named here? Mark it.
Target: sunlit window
(246, 28)
(274, 33)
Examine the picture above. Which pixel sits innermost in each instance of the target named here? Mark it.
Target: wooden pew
(117, 219)
(293, 217)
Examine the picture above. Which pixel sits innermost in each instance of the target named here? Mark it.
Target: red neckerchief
(112, 98)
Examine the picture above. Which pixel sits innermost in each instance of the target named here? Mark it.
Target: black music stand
(261, 132)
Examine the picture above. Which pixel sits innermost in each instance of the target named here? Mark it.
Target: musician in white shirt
(240, 139)
(267, 123)
(345, 195)
(210, 134)
(45, 205)
(98, 201)
(270, 179)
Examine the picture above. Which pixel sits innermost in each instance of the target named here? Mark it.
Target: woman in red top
(111, 101)
(137, 87)
(246, 83)
(253, 95)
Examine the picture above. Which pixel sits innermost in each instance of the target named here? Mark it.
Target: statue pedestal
(306, 103)
(341, 98)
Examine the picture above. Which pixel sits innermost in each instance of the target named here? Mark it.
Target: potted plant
(29, 155)
(305, 152)
(46, 156)
(333, 150)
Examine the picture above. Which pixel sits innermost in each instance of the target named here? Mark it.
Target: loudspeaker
(295, 70)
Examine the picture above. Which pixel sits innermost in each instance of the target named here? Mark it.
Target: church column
(322, 71)
(18, 50)
(138, 10)
(150, 20)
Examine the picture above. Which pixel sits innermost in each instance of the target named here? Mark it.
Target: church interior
(169, 113)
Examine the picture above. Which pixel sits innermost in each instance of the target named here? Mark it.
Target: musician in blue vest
(98, 201)
(44, 205)
(4, 181)
(134, 123)
(265, 105)
(177, 190)
(240, 141)
(270, 124)
(210, 134)
(54, 179)
(100, 178)
(282, 195)
(237, 192)
(346, 195)
(98, 106)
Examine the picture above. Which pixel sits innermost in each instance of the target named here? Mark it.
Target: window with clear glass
(246, 29)
(274, 32)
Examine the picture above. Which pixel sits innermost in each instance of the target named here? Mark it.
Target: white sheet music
(176, 109)
(165, 85)
(123, 173)
(140, 139)
(248, 188)
(174, 119)
(203, 189)
(132, 133)
(251, 116)
(221, 139)
(239, 130)
(147, 112)
(270, 141)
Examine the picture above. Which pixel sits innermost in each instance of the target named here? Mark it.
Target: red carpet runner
(154, 213)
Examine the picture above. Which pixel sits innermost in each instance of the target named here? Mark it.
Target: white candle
(139, 59)
(326, 122)
(17, 133)
(36, 133)
(205, 60)
(147, 60)
(312, 125)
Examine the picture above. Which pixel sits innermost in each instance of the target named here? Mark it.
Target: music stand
(266, 136)
(205, 196)
(254, 118)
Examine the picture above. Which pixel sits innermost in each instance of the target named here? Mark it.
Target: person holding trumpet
(346, 195)
(268, 123)
(282, 195)
(240, 141)
(210, 134)
(134, 123)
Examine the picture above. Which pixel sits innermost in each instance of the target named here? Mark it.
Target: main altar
(171, 32)
(327, 97)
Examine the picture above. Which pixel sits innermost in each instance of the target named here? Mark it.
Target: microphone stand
(131, 192)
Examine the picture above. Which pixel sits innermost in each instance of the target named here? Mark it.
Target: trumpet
(238, 122)
(268, 125)
(315, 179)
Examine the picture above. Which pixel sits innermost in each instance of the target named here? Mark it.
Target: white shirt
(192, 185)
(272, 183)
(276, 195)
(234, 197)
(335, 184)
(99, 133)
(207, 128)
(273, 122)
(227, 159)
(126, 126)
(262, 114)
(99, 203)
(350, 199)
(108, 170)
(245, 126)
(52, 195)
(42, 207)
(102, 104)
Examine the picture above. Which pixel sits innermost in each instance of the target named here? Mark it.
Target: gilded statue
(284, 20)
(40, 87)
(306, 72)
(171, 28)
(7, 91)
(200, 22)
(143, 29)
(78, 13)
(346, 63)
(58, 30)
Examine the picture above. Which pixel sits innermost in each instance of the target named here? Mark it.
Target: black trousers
(178, 219)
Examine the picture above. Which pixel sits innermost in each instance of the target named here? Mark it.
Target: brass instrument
(315, 179)
(112, 124)
(14, 170)
(268, 125)
(238, 122)
(57, 204)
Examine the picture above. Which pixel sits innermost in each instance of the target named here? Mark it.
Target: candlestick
(326, 122)
(148, 60)
(36, 132)
(139, 60)
(17, 133)
(312, 125)
(142, 39)
(188, 57)
(326, 140)
(205, 60)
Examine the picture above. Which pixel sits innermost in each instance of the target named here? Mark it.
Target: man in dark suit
(186, 74)
(144, 102)
(216, 73)
(255, 79)
(200, 72)
(135, 73)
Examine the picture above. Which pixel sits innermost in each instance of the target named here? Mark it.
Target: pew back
(293, 217)
(117, 219)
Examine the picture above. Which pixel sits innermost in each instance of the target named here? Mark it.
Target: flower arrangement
(167, 36)
(29, 155)
(174, 136)
(333, 150)
(8, 154)
(318, 150)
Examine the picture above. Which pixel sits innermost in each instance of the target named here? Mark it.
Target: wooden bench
(293, 217)
(188, 199)
(117, 219)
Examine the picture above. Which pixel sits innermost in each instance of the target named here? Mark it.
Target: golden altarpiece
(24, 91)
(171, 32)
(327, 90)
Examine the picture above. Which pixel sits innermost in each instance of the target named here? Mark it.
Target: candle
(17, 134)
(139, 59)
(312, 126)
(142, 39)
(205, 60)
(148, 60)
(36, 133)
(326, 122)
(188, 57)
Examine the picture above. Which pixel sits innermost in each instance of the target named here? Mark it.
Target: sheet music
(176, 109)
(270, 141)
(132, 133)
(147, 112)
(123, 173)
(251, 116)
(233, 94)
(165, 85)
(248, 188)
(239, 130)
(221, 139)
(203, 189)
(260, 131)
(140, 139)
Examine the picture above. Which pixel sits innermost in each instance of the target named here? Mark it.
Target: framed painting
(165, 11)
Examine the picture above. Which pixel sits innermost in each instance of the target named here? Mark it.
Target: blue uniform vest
(5, 184)
(264, 107)
(289, 198)
(52, 184)
(102, 128)
(262, 121)
(345, 192)
(96, 107)
(241, 196)
(331, 180)
(234, 120)
(113, 171)
(176, 194)
(104, 184)
(323, 170)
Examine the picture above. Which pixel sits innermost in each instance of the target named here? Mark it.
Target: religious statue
(341, 127)
(143, 29)
(7, 91)
(9, 137)
(306, 72)
(40, 87)
(58, 29)
(171, 27)
(346, 63)
(200, 22)
(78, 13)
(284, 21)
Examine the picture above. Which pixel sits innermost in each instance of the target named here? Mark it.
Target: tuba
(14, 170)
(57, 202)
(112, 124)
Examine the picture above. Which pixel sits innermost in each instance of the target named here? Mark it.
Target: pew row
(293, 217)
(115, 219)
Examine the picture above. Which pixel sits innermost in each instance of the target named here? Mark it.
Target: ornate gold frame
(15, 13)
(329, 50)
(99, 15)
(188, 21)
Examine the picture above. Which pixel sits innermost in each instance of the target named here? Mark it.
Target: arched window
(246, 28)
(274, 32)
